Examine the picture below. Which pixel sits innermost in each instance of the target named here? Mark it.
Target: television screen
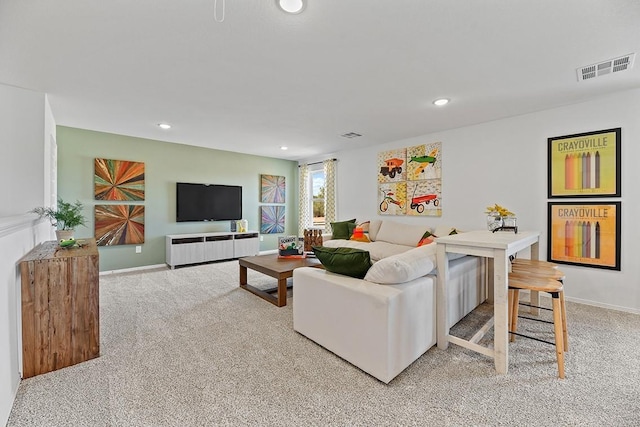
(208, 202)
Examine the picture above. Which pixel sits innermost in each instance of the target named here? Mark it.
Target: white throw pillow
(374, 226)
(401, 234)
(404, 267)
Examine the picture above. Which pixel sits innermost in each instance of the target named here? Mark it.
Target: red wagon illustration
(417, 202)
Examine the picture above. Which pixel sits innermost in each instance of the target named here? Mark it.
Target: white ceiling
(263, 78)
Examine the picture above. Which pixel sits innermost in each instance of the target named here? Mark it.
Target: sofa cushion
(377, 250)
(343, 229)
(445, 230)
(364, 225)
(426, 239)
(401, 234)
(348, 261)
(374, 226)
(359, 235)
(401, 268)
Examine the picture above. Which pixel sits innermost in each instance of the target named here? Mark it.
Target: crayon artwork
(581, 239)
(585, 165)
(582, 171)
(585, 234)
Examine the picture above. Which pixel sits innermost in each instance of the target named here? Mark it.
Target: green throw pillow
(348, 261)
(343, 229)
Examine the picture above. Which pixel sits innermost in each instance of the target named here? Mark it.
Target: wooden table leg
(280, 300)
(282, 292)
(442, 313)
(243, 275)
(500, 312)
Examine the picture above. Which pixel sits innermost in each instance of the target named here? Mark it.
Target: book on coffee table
(291, 247)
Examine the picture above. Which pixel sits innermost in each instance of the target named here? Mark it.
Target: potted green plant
(65, 217)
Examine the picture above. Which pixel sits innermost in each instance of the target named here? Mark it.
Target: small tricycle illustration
(417, 202)
(384, 205)
(393, 166)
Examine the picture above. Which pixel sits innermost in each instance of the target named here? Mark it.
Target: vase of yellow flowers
(498, 216)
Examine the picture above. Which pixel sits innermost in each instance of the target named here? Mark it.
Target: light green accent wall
(166, 164)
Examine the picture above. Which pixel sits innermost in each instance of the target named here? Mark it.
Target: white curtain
(304, 215)
(329, 193)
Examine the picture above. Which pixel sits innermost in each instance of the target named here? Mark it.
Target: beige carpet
(189, 348)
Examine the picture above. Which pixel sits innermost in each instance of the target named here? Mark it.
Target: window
(317, 189)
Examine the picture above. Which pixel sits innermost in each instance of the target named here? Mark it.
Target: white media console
(182, 249)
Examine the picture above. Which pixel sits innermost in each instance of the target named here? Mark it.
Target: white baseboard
(596, 304)
(602, 305)
(128, 270)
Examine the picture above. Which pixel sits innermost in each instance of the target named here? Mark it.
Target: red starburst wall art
(118, 180)
(119, 224)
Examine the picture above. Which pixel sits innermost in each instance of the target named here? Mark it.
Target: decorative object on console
(272, 189)
(242, 226)
(119, 224)
(271, 219)
(118, 180)
(65, 217)
(500, 218)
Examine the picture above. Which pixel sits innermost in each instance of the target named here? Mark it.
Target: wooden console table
(60, 307)
(498, 247)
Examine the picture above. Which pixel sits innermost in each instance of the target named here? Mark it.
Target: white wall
(505, 162)
(22, 160)
(23, 135)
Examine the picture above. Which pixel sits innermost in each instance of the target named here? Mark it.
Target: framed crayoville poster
(586, 234)
(585, 164)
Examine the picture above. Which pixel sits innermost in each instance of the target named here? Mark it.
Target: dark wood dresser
(60, 306)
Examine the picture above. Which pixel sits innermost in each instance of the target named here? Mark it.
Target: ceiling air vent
(351, 135)
(607, 67)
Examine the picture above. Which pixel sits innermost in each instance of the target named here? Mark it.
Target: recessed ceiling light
(440, 102)
(164, 126)
(284, 147)
(291, 6)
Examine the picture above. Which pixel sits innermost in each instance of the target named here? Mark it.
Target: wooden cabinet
(182, 249)
(60, 307)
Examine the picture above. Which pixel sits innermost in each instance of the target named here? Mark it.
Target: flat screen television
(208, 202)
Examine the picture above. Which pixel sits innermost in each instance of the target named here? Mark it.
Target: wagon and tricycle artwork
(417, 202)
(410, 180)
(388, 197)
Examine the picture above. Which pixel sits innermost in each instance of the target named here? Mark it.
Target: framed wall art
(119, 224)
(271, 219)
(410, 180)
(120, 180)
(272, 189)
(585, 234)
(585, 164)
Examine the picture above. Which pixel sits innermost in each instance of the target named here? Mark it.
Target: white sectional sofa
(387, 320)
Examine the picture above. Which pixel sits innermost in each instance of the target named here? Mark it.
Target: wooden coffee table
(278, 268)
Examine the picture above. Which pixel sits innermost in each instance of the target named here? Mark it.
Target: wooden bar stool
(518, 281)
(547, 273)
(532, 263)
